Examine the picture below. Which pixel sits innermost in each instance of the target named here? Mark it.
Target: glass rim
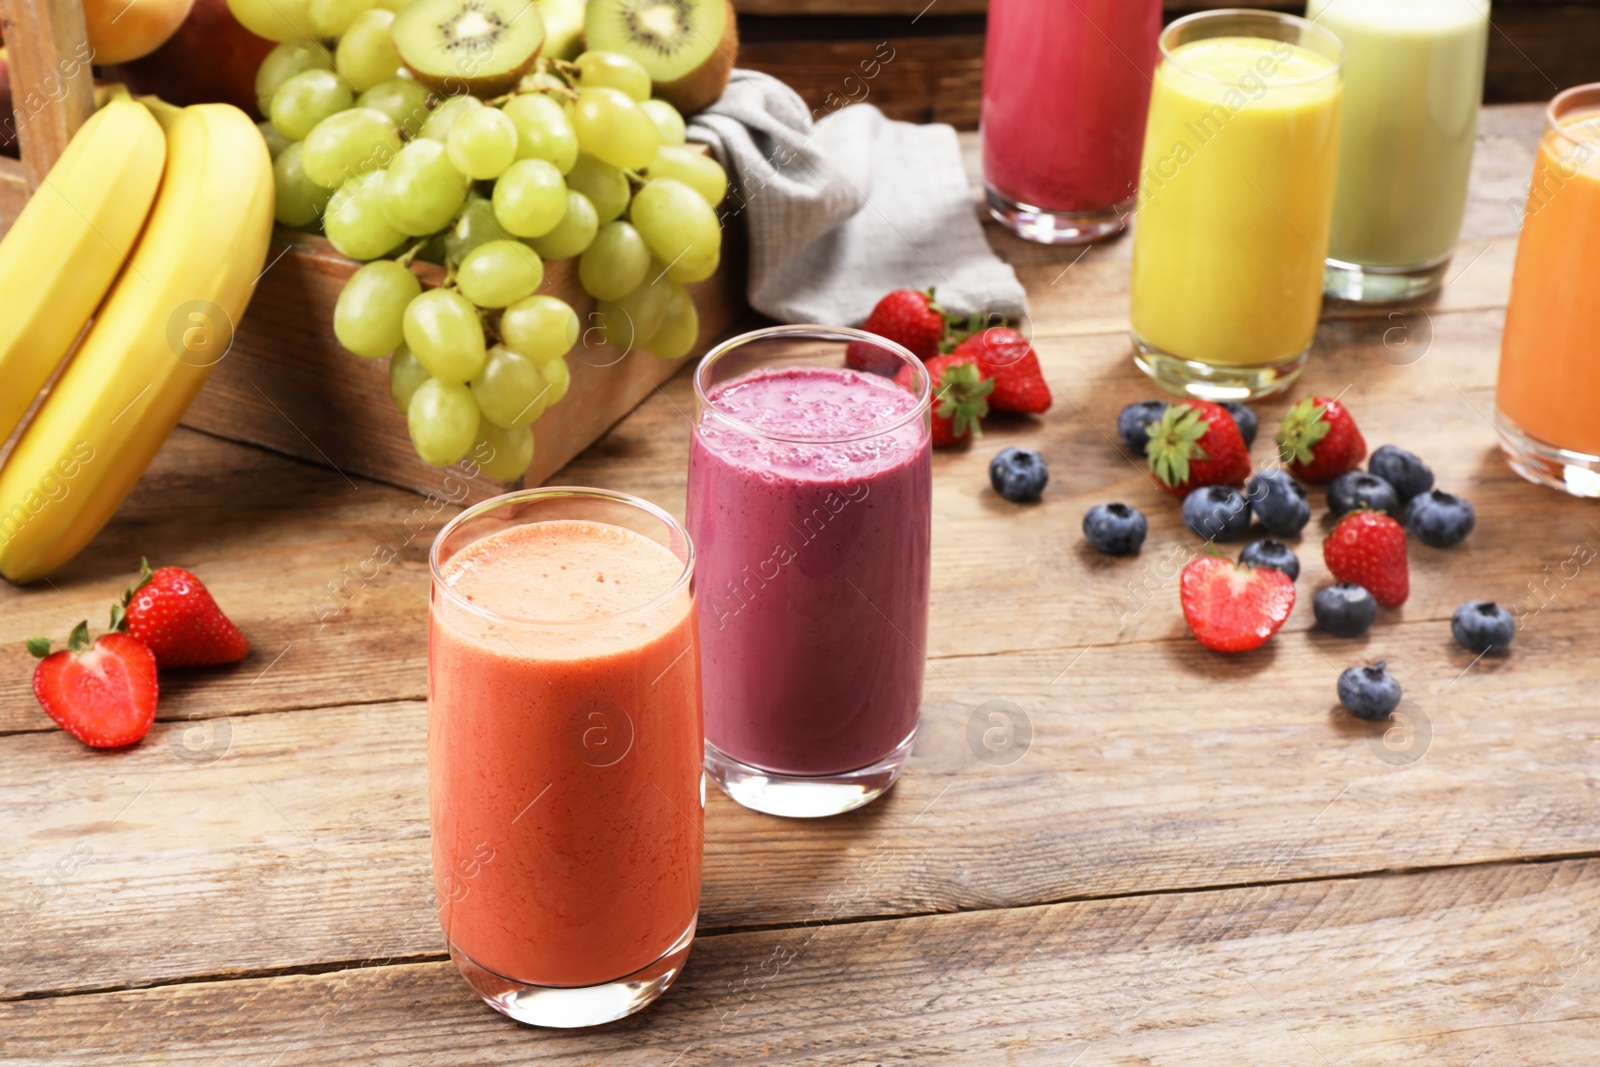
(521, 496)
(1250, 14)
(1552, 115)
(844, 334)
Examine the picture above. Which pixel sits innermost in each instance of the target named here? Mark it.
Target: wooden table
(1197, 859)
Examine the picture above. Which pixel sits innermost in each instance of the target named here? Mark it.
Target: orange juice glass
(564, 748)
(1549, 385)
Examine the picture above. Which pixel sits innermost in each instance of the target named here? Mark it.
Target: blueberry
(1018, 474)
(1279, 502)
(1480, 625)
(1369, 692)
(1115, 529)
(1439, 519)
(1274, 554)
(1408, 474)
(1344, 610)
(1135, 419)
(1217, 512)
(1244, 417)
(1355, 490)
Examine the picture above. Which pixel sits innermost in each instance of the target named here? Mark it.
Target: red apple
(210, 58)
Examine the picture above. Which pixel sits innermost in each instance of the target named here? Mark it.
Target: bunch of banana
(168, 319)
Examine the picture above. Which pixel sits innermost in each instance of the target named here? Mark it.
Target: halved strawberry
(1232, 608)
(101, 692)
(172, 612)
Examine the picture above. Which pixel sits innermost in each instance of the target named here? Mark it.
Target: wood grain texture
(52, 86)
(1487, 966)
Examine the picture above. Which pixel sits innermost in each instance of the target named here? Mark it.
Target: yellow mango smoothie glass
(1413, 82)
(1235, 202)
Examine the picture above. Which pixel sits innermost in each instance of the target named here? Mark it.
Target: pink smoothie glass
(810, 504)
(1066, 85)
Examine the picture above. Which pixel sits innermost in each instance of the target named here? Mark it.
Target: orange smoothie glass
(564, 750)
(1550, 353)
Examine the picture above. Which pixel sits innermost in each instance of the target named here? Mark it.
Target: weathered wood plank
(1488, 966)
(51, 84)
(276, 841)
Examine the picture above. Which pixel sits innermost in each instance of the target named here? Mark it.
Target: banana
(65, 249)
(169, 318)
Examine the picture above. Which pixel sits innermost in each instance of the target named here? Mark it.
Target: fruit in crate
(121, 31)
(440, 133)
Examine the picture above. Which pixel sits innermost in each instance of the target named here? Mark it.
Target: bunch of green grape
(578, 162)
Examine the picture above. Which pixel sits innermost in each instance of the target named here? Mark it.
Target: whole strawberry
(1318, 440)
(173, 613)
(1234, 608)
(1011, 363)
(103, 692)
(1368, 548)
(1196, 443)
(907, 317)
(960, 398)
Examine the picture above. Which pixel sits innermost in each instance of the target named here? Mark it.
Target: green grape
(698, 171)
(669, 123)
(276, 142)
(443, 419)
(573, 233)
(284, 62)
(503, 455)
(530, 198)
(366, 54)
(679, 329)
(482, 143)
(543, 328)
(615, 70)
(615, 263)
(433, 250)
(604, 185)
(369, 316)
(612, 128)
(559, 377)
(421, 190)
(476, 225)
(299, 202)
(437, 126)
(331, 18)
(349, 143)
(543, 131)
(443, 331)
(625, 323)
(403, 100)
(406, 376)
(510, 391)
(499, 273)
(276, 20)
(680, 228)
(354, 220)
(306, 99)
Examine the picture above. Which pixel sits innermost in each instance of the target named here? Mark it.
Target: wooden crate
(286, 383)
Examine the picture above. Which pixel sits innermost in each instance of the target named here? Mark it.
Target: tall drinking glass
(1065, 91)
(564, 748)
(810, 500)
(1235, 201)
(1549, 386)
(1413, 82)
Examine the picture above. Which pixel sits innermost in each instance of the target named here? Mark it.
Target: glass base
(566, 1007)
(1057, 227)
(1216, 383)
(1545, 464)
(805, 796)
(1382, 285)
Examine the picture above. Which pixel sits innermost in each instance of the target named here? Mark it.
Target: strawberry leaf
(1302, 428)
(1175, 441)
(961, 398)
(79, 640)
(39, 647)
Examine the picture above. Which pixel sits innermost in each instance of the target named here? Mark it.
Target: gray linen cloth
(843, 210)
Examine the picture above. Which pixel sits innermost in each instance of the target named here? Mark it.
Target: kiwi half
(688, 46)
(482, 47)
(563, 27)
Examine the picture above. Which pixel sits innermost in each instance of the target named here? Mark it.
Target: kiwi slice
(482, 47)
(688, 46)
